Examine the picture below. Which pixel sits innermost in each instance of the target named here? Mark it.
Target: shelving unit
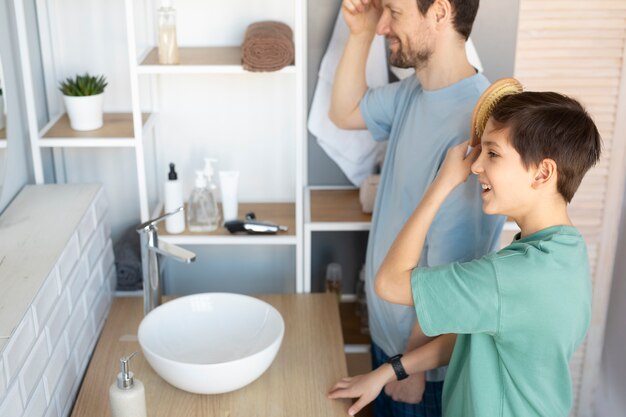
(224, 62)
(260, 131)
(330, 209)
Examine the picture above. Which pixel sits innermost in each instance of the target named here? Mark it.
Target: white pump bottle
(127, 396)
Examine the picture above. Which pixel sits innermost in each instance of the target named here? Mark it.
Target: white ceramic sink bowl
(211, 343)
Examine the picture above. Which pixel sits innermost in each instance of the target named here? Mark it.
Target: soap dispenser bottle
(202, 214)
(127, 396)
(173, 193)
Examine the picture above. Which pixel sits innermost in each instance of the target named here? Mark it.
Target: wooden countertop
(309, 362)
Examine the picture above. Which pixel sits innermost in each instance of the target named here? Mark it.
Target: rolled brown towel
(267, 46)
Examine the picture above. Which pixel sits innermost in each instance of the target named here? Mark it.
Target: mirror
(3, 127)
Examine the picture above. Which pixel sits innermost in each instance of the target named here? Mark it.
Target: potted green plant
(83, 96)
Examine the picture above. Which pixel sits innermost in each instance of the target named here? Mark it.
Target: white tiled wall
(43, 363)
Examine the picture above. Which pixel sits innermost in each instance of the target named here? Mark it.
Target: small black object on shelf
(252, 226)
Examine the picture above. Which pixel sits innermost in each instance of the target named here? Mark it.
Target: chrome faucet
(150, 248)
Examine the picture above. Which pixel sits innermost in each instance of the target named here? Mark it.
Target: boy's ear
(545, 173)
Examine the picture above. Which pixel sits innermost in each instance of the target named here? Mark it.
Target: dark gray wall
(495, 36)
(321, 20)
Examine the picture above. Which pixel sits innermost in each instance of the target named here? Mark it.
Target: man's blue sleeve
(378, 107)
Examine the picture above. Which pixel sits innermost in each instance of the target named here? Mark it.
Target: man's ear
(545, 173)
(442, 11)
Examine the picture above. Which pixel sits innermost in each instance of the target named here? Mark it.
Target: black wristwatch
(397, 367)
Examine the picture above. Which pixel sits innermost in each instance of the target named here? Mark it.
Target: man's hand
(364, 387)
(362, 16)
(408, 390)
(457, 165)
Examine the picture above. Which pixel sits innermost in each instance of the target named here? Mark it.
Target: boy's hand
(410, 390)
(364, 387)
(457, 166)
(362, 16)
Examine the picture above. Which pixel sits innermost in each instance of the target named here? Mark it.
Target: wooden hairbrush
(487, 102)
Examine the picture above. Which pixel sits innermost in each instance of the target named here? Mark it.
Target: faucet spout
(150, 262)
(173, 251)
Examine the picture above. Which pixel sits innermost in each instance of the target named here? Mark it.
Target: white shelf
(229, 240)
(334, 209)
(116, 132)
(279, 213)
(207, 60)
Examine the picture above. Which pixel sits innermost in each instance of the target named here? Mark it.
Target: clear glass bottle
(333, 279)
(168, 45)
(202, 212)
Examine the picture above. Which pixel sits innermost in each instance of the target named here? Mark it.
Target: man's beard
(410, 58)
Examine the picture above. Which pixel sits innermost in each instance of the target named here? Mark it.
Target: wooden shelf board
(351, 325)
(199, 60)
(337, 206)
(283, 214)
(117, 127)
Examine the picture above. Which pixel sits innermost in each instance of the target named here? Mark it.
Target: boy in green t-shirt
(510, 321)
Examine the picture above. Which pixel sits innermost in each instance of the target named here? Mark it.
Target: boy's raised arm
(393, 280)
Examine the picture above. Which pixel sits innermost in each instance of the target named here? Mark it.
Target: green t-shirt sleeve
(457, 298)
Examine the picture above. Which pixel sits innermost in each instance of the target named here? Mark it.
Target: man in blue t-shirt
(421, 117)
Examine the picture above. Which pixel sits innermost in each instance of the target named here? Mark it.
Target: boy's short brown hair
(550, 125)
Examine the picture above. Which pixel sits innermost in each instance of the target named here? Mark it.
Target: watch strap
(395, 363)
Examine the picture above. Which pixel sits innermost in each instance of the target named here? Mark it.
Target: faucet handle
(149, 225)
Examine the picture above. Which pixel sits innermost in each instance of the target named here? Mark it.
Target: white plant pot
(85, 112)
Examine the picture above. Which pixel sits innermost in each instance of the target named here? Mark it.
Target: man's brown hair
(463, 14)
(550, 125)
